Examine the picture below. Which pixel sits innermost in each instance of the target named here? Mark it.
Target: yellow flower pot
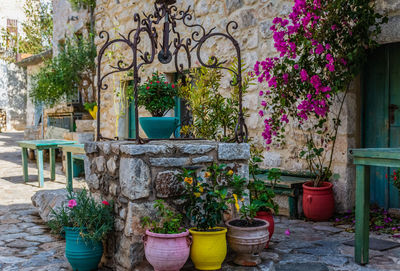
(208, 249)
(93, 112)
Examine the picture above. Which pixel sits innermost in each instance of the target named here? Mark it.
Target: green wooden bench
(363, 159)
(290, 186)
(74, 150)
(39, 146)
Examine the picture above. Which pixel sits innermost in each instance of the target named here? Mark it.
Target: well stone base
(133, 176)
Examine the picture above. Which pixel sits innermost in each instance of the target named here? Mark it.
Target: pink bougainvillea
(321, 47)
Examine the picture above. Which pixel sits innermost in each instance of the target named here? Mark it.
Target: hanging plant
(321, 46)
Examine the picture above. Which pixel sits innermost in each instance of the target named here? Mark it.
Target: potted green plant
(166, 243)
(264, 195)
(157, 96)
(85, 223)
(206, 200)
(320, 53)
(247, 235)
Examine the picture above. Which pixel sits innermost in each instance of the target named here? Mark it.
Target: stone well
(133, 176)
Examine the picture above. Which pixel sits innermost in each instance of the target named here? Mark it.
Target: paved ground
(25, 243)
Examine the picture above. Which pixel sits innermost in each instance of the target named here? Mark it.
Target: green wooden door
(381, 117)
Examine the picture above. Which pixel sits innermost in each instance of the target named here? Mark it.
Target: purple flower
(287, 232)
(264, 103)
(261, 113)
(284, 118)
(303, 75)
(320, 49)
(261, 93)
(72, 203)
(296, 66)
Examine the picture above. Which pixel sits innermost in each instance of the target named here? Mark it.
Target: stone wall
(255, 38)
(133, 176)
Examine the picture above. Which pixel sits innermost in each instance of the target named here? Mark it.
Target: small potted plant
(166, 243)
(85, 223)
(206, 200)
(248, 235)
(262, 195)
(92, 109)
(157, 96)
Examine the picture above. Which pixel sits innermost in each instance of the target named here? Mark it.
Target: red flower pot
(318, 202)
(267, 216)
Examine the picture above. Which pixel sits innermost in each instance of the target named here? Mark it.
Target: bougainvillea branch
(321, 47)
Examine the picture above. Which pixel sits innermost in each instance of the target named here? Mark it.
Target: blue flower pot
(158, 127)
(82, 255)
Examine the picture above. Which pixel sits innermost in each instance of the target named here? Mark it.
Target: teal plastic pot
(82, 255)
(158, 127)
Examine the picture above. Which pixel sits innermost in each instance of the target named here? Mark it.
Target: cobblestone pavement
(25, 242)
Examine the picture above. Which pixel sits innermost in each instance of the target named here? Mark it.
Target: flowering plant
(157, 95)
(321, 46)
(168, 222)
(206, 198)
(395, 178)
(94, 219)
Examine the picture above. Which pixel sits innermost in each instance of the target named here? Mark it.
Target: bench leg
(69, 171)
(39, 160)
(362, 215)
(25, 164)
(53, 164)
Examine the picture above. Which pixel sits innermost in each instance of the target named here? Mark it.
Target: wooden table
(70, 150)
(363, 158)
(39, 146)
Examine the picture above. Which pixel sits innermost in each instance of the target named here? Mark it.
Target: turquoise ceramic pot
(158, 127)
(82, 255)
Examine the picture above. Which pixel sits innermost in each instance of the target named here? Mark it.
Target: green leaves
(95, 219)
(167, 221)
(156, 95)
(62, 76)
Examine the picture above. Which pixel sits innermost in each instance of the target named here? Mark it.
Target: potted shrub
(319, 55)
(263, 195)
(166, 243)
(206, 200)
(85, 223)
(157, 96)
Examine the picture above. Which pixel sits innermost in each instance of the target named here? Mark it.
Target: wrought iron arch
(165, 9)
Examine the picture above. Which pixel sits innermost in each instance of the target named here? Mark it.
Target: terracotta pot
(267, 216)
(167, 252)
(318, 202)
(247, 242)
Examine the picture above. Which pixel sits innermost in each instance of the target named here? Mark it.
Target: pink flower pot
(167, 252)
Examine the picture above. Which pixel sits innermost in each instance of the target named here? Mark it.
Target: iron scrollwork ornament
(165, 10)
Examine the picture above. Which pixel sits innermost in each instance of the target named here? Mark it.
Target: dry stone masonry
(133, 176)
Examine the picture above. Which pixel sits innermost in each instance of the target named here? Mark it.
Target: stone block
(248, 17)
(45, 200)
(84, 125)
(202, 159)
(143, 149)
(169, 162)
(100, 162)
(91, 147)
(196, 148)
(233, 151)
(136, 211)
(167, 184)
(135, 178)
(272, 159)
(112, 165)
(232, 5)
(93, 181)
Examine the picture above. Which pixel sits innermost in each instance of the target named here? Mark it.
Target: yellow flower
(197, 194)
(230, 172)
(236, 202)
(201, 189)
(188, 180)
(207, 174)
